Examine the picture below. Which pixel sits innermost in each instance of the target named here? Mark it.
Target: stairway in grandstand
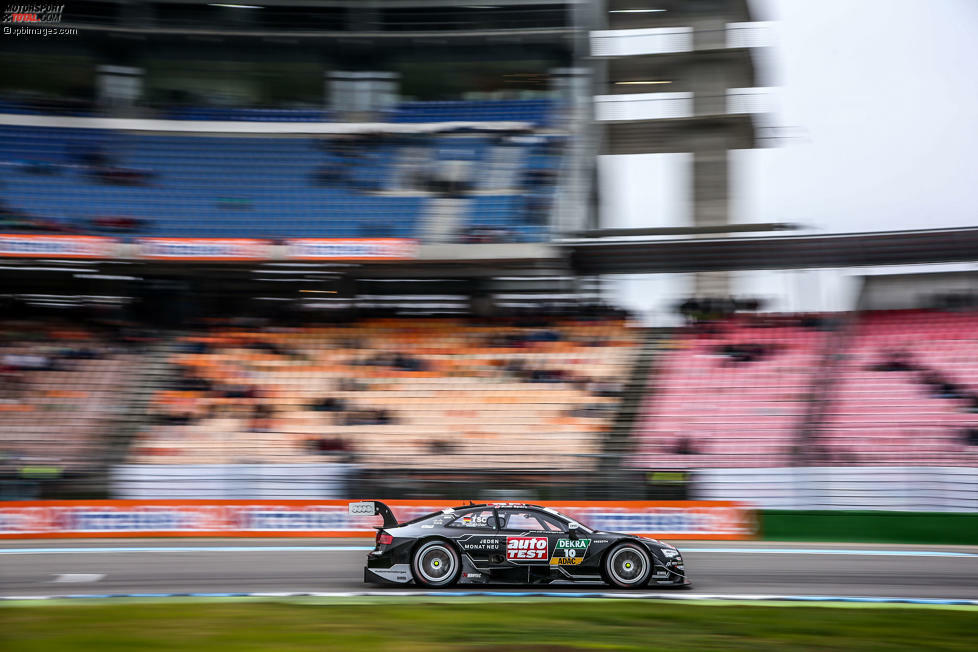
(407, 162)
(443, 220)
(149, 376)
(826, 376)
(618, 442)
(504, 164)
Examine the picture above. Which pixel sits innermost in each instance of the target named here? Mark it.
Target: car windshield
(584, 526)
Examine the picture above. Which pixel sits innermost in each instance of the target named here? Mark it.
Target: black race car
(511, 543)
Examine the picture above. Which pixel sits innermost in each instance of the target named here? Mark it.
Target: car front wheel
(628, 566)
(435, 563)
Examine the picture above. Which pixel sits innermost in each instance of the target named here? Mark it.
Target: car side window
(553, 525)
(530, 521)
(482, 518)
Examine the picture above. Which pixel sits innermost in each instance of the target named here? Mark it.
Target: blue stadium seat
(533, 111)
(210, 186)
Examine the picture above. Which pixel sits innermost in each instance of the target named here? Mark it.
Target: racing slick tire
(436, 564)
(627, 566)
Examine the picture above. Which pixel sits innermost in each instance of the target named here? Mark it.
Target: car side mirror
(572, 530)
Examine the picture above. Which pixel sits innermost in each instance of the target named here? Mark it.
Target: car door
(531, 535)
(567, 549)
(476, 534)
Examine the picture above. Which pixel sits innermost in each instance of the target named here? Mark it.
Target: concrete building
(674, 76)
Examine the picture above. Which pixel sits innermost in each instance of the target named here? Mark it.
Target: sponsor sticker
(569, 552)
(526, 548)
(203, 248)
(474, 520)
(479, 544)
(351, 249)
(55, 246)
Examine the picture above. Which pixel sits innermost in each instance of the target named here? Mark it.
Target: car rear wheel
(628, 566)
(435, 563)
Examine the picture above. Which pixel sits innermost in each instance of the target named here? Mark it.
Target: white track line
(522, 594)
(264, 549)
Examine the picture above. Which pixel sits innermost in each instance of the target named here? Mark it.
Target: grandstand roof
(782, 252)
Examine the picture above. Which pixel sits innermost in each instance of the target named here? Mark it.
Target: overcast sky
(884, 96)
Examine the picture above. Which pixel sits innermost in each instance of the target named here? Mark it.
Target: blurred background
(604, 249)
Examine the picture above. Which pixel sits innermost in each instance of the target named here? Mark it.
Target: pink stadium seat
(877, 417)
(732, 415)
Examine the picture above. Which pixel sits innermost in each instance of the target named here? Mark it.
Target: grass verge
(478, 627)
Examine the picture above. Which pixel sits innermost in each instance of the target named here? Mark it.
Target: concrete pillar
(715, 285)
(711, 205)
(709, 31)
(361, 93)
(710, 188)
(119, 89)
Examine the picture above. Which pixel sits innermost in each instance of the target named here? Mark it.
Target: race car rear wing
(373, 508)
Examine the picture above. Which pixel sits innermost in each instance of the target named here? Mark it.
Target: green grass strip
(300, 624)
(870, 526)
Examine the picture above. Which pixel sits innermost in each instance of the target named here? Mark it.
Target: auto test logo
(526, 548)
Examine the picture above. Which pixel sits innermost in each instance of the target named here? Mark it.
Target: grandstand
(734, 394)
(906, 387)
(63, 388)
(474, 158)
(776, 392)
(437, 396)
(92, 181)
(474, 362)
(397, 393)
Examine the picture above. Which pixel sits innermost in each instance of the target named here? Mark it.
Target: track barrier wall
(722, 520)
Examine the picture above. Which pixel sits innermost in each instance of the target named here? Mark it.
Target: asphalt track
(167, 566)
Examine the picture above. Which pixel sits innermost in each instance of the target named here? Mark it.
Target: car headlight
(669, 554)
